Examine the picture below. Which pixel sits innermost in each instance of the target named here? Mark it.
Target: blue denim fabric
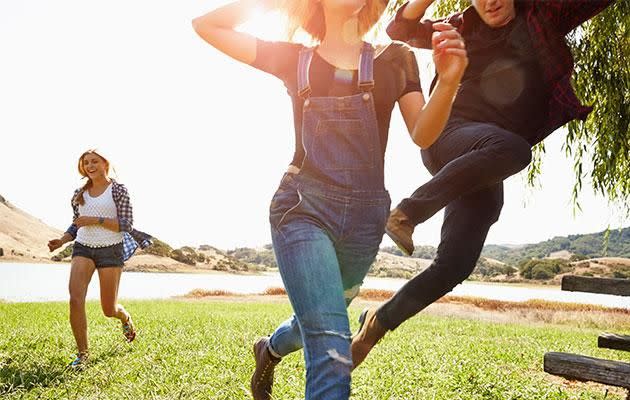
(327, 223)
(325, 243)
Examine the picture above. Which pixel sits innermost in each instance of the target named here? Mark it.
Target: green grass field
(202, 350)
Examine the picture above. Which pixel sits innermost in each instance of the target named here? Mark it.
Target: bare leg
(81, 272)
(109, 278)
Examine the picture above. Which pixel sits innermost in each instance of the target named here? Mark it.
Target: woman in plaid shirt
(104, 238)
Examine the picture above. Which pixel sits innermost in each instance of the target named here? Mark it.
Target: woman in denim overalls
(328, 215)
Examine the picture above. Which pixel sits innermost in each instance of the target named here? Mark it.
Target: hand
(449, 53)
(54, 244)
(85, 221)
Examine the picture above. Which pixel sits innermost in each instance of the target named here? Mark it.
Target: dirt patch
(533, 311)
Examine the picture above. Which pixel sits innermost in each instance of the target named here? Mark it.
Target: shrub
(159, 248)
(542, 269)
(67, 252)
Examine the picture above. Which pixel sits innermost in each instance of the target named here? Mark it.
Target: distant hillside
(591, 245)
(577, 247)
(22, 236)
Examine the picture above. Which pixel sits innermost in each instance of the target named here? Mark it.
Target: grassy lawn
(202, 350)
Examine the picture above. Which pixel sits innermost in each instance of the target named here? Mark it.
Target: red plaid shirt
(548, 23)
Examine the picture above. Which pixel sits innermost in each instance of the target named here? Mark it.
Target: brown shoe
(400, 230)
(370, 332)
(262, 379)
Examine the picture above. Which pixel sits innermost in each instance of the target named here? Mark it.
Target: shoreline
(185, 269)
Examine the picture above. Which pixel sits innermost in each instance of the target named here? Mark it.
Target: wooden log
(583, 368)
(574, 283)
(613, 341)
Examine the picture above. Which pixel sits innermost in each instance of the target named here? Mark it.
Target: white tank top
(102, 206)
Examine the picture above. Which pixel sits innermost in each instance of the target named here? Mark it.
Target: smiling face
(93, 166)
(495, 13)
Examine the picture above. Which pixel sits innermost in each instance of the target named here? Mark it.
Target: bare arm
(416, 8)
(406, 25)
(218, 29)
(425, 122)
(108, 223)
(54, 244)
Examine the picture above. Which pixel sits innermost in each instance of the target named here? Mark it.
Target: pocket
(283, 201)
(117, 250)
(342, 144)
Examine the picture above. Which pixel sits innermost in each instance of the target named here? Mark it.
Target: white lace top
(100, 206)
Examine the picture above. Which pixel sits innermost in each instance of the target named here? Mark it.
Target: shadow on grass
(15, 375)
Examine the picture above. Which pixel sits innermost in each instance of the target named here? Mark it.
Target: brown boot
(400, 230)
(370, 332)
(262, 379)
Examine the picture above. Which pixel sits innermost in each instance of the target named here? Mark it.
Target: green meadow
(202, 350)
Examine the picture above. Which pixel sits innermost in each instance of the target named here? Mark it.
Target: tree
(600, 146)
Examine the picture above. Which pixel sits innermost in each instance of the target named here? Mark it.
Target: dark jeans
(110, 256)
(469, 162)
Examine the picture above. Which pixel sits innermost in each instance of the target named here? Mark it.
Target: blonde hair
(309, 16)
(79, 196)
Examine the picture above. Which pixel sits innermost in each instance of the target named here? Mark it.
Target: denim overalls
(327, 223)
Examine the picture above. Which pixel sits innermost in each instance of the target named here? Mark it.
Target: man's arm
(407, 26)
(567, 15)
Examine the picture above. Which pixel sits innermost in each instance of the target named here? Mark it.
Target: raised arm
(426, 122)
(406, 25)
(218, 28)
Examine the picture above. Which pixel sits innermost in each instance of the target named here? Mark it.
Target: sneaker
(262, 379)
(400, 230)
(80, 361)
(370, 332)
(128, 329)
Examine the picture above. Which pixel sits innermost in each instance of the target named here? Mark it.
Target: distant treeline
(612, 243)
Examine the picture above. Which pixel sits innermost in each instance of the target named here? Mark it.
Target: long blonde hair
(309, 16)
(78, 198)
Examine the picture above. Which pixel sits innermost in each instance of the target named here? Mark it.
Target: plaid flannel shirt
(132, 239)
(548, 22)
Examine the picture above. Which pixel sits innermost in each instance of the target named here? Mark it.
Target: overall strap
(366, 68)
(304, 66)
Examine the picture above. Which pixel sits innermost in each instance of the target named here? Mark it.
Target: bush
(159, 248)
(543, 269)
(489, 269)
(67, 252)
(183, 255)
(543, 272)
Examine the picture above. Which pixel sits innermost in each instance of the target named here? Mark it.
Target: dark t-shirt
(395, 74)
(503, 82)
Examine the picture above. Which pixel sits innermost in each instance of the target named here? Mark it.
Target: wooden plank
(613, 341)
(574, 283)
(583, 368)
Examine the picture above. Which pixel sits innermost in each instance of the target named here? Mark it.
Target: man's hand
(449, 53)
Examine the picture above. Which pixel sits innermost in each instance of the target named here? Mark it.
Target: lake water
(49, 282)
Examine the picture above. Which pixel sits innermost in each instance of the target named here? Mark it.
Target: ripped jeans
(325, 243)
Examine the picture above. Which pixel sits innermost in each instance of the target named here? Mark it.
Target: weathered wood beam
(574, 283)
(613, 341)
(583, 368)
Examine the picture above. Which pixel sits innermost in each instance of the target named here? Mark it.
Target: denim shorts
(110, 256)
